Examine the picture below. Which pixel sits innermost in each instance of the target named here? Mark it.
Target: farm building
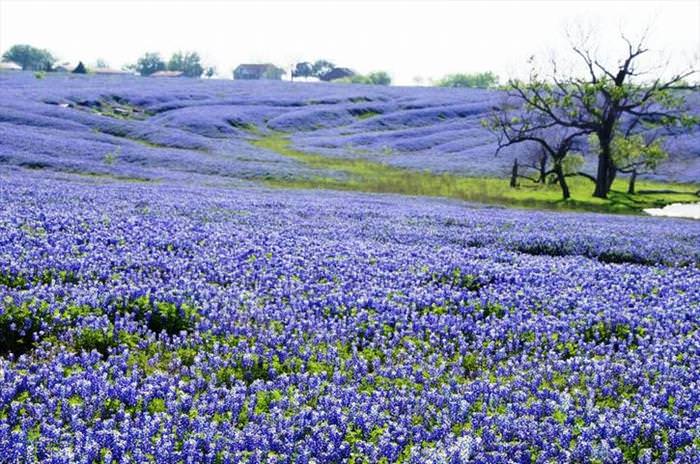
(168, 74)
(9, 66)
(109, 71)
(258, 71)
(337, 73)
(63, 67)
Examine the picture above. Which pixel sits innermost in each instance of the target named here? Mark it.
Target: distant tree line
(188, 63)
(36, 59)
(325, 70)
(30, 58)
(483, 80)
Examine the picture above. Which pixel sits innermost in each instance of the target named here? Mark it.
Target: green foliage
(243, 415)
(111, 157)
(247, 372)
(491, 309)
(303, 69)
(156, 405)
(186, 356)
(150, 63)
(19, 323)
(634, 151)
(597, 104)
(187, 62)
(371, 176)
(12, 280)
(30, 58)
(572, 163)
(484, 80)
(263, 399)
(365, 114)
(100, 340)
(321, 67)
(471, 364)
(373, 78)
(379, 78)
(560, 416)
(457, 278)
(163, 315)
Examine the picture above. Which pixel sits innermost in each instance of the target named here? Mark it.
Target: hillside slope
(137, 127)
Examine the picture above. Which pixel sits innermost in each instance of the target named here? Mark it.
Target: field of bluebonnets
(155, 128)
(159, 305)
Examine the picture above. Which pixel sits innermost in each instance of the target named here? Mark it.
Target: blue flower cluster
(171, 323)
(161, 129)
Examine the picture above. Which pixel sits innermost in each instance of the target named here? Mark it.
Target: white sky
(406, 38)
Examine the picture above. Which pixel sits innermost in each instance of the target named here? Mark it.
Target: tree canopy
(30, 58)
(303, 69)
(373, 78)
(189, 63)
(597, 103)
(321, 67)
(150, 63)
(484, 80)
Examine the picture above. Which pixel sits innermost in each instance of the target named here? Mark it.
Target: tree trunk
(543, 170)
(633, 179)
(612, 174)
(562, 181)
(602, 184)
(514, 175)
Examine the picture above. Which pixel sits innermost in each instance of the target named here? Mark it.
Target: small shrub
(100, 340)
(162, 315)
(456, 278)
(157, 405)
(12, 280)
(18, 326)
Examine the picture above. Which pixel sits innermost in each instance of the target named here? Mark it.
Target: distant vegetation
(484, 80)
(373, 78)
(325, 70)
(189, 63)
(371, 176)
(30, 58)
(148, 64)
(556, 119)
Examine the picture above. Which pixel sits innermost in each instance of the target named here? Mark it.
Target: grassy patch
(18, 325)
(245, 126)
(162, 315)
(370, 176)
(104, 175)
(364, 114)
(117, 108)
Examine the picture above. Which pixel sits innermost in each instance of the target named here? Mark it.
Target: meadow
(420, 140)
(262, 272)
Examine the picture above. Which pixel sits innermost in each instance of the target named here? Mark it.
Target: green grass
(370, 176)
(103, 175)
(366, 115)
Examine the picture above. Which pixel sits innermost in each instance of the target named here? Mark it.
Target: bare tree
(535, 129)
(596, 102)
